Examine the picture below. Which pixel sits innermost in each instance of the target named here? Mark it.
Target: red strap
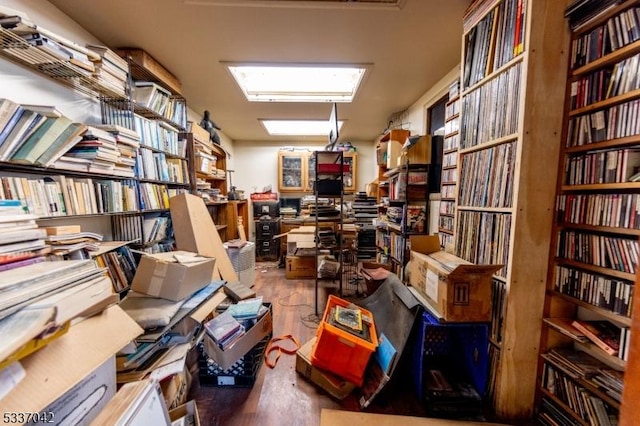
(272, 347)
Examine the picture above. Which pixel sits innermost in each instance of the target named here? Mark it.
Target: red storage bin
(341, 352)
(333, 168)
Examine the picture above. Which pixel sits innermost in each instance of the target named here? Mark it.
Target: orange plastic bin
(340, 351)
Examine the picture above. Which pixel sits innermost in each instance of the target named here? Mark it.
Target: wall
(25, 86)
(256, 163)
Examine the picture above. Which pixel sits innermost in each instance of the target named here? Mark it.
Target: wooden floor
(280, 396)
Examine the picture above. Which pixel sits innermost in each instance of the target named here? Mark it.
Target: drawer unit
(266, 229)
(267, 250)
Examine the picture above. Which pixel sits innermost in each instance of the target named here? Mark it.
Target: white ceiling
(411, 46)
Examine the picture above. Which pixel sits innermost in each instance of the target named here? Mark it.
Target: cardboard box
(300, 267)
(455, 289)
(189, 409)
(146, 61)
(196, 232)
(89, 396)
(136, 403)
(161, 275)
(175, 389)
(226, 358)
(54, 371)
(332, 384)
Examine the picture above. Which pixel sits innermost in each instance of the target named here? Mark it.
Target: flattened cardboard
(457, 290)
(332, 384)
(395, 310)
(195, 232)
(65, 362)
(226, 358)
(160, 275)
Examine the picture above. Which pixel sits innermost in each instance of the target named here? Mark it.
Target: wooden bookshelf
(592, 253)
(511, 108)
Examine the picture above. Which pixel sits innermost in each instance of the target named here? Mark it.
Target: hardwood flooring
(280, 396)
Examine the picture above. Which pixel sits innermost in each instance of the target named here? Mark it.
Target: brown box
(148, 63)
(226, 358)
(161, 275)
(300, 267)
(457, 290)
(334, 385)
(175, 389)
(419, 152)
(187, 409)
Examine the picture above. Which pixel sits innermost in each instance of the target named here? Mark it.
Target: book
(246, 309)
(19, 328)
(62, 229)
(62, 144)
(42, 139)
(602, 333)
(7, 111)
(22, 235)
(238, 291)
(27, 122)
(348, 317)
(564, 326)
(222, 327)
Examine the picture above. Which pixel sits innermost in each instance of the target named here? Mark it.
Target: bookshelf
(404, 213)
(511, 98)
(209, 173)
(594, 251)
(157, 94)
(329, 173)
(163, 161)
(449, 179)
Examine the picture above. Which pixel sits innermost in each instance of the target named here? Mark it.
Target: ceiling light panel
(298, 127)
(297, 83)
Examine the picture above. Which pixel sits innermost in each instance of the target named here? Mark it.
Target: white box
(84, 401)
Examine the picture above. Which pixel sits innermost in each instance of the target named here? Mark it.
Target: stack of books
(111, 70)
(35, 134)
(40, 300)
(127, 142)
(21, 241)
(224, 329)
(70, 241)
(97, 151)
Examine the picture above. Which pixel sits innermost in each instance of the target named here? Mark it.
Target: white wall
(23, 85)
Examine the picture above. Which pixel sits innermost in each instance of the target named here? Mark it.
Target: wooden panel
(631, 391)
(148, 63)
(540, 128)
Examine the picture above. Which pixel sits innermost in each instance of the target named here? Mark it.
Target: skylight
(298, 83)
(298, 127)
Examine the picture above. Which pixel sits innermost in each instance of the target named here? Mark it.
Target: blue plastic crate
(459, 347)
